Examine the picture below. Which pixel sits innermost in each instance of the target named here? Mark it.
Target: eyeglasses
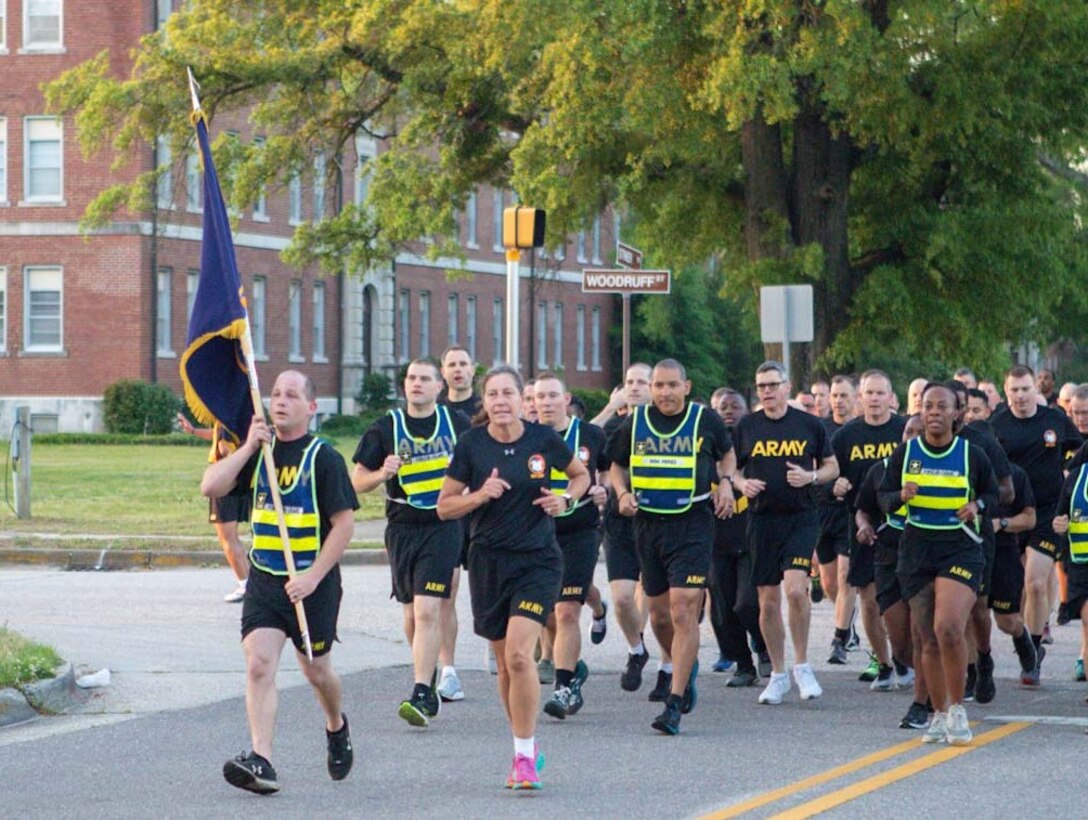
(768, 385)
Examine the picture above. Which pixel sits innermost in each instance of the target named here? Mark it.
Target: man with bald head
(914, 396)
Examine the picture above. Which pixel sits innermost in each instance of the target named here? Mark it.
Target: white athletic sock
(638, 649)
(525, 746)
(447, 670)
(665, 667)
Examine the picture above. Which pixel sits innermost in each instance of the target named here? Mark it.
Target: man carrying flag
(295, 574)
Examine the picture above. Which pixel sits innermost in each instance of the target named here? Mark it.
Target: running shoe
(854, 641)
(545, 670)
(449, 686)
(538, 761)
(1031, 679)
(523, 774)
(985, 689)
(660, 693)
(917, 717)
(581, 672)
(776, 689)
(816, 589)
(884, 681)
(764, 665)
(691, 693)
(558, 704)
(599, 628)
(743, 677)
(668, 722)
(904, 675)
(937, 731)
(631, 679)
(237, 595)
(838, 652)
(723, 664)
(871, 671)
(576, 700)
(1025, 651)
(1048, 639)
(807, 684)
(418, 710)
(252, 773)
(1078, 671)
(958, 730)
(340, 754)
(970, 683)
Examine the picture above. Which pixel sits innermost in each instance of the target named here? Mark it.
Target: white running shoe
(906, 680)
(958, 731)
(776, 688)
(806, 682)
(237, 594)
(449, 686)
(937, 731)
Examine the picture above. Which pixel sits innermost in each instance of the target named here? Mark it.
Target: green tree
(909, 159)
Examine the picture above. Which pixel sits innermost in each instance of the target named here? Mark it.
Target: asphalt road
(153, 742)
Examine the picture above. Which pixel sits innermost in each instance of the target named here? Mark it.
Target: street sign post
(785, 315)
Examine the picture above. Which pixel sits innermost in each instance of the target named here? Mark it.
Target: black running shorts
(834, 537)
(1043, 539)
(885, 559)
(923, 559)
(862, 558)
(674, 550)
(266, 606)
(780, 542)
(579, 560)
(1076, 589)
(1007, 579)
(422, 558)
(231, 507)
(508, 583)
(621, 559)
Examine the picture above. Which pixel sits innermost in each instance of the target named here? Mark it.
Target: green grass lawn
(23, 661)
(128, 490)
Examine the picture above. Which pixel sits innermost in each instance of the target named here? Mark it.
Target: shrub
(594, 400)
(374, 394)
(169, 440)
(337, 425)
(23, 661)
(133, 406)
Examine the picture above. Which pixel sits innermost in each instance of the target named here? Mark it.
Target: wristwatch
(1003, 524)
(569, 499)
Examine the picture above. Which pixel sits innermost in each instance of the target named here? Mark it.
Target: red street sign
(596, 280)
(628, 257)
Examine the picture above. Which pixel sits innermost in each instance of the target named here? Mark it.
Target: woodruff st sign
(596, 280)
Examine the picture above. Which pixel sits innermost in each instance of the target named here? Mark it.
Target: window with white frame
(164, 185)
(425, 323)
(404, 309)
(43, 22)
(294, 199)
(557, 335)
(260, 208)
(581, 246)
(542, 334)
(470, 326)
(43, 311)
(294, 320)
(597, 241)
(192, 281)
(496, 220)
(595, 339)
(366, 148)
(3, 27)
(320, 169)
(580, 319)
(319, 321)
(452, 305)
(3, 304)
(164, 345)
(470, 221)
(43, 148)
(3, 155)
(257, 309)
(163, 10)
(194, 186)
(497, 320)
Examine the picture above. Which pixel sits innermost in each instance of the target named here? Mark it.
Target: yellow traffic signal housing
(523, 227)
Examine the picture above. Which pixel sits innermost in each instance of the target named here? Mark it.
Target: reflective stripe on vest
(423, 461)
(898, 519)
(663, 464)
(943, 484)
(1078, 519)
(301, 514)
(559, 479)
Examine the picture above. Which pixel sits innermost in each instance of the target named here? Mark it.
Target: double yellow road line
(862, 787)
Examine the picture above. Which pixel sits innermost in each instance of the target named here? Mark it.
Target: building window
(404, 309)
(163, 10)
(3, 305)
(294, 200)
(320, 167)
(496, 220)
(597, 241)
(366, 148)
(319, 322)
(595, 339)
(470, 221)
(496, 331)
(164, 185)
(557, 335)
(42, 24)
(580, 317)
(470, 326)
(294, 320)
(3, 155)
(451, 319)
(542, 334)
(257, 314)
(44, 151)
(163, 326)
(192, 281)
(424, 324)
(43, 328)
(260, 208)
(194, 190)
(3, 27)
(582, 247)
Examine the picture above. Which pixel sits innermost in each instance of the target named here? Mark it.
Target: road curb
(105, 559)
(52, 696)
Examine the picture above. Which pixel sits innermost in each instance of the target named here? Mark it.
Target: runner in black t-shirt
(665, 458)
(1036, 438)
(501, 476)
(423, 551)
(859, 445)
(458, 371)
(269, 614)
(781, 454)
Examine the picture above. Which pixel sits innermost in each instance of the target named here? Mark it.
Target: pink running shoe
(523, 774)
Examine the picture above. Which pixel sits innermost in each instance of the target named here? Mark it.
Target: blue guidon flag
(213, 367)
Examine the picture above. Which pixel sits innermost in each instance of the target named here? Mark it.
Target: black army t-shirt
(1025, 497)
(858, 445)
(765, 445)
(469, 407)
(510, 522)
(1039, 444)
(377, 443)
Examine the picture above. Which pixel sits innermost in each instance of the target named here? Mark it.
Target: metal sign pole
(513, 307)
(786, 335)
(626, 332)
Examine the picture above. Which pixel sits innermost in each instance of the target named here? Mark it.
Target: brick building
(80, 312)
